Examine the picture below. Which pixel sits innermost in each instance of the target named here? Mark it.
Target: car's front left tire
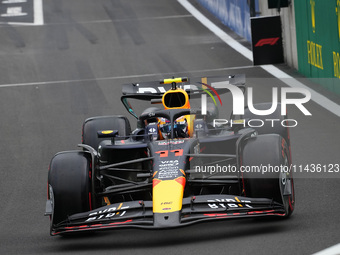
(69, 184)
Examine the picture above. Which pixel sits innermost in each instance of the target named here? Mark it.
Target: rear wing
(191, 86)
(196, 86)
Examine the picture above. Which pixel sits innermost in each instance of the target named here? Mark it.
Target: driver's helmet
(180, 128)
(164, 128)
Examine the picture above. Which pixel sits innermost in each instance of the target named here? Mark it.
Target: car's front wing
(139, 214)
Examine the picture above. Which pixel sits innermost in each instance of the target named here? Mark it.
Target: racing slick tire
(268, 127)
(69, 184)
(268, 156)
(92, 125)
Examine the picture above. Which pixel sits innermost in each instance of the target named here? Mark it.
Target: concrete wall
(235, 14)
(310, 31)
(232, 13)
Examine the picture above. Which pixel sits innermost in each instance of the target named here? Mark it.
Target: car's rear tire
(69, 184)
(268, 153)
(92, 125)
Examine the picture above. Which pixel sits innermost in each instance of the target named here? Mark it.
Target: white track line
(122, 20)
(274, 71)
(120, 77)
(38, 13)
(334, 250)
(39, 19)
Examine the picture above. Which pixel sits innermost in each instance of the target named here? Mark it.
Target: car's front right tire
(266, 170)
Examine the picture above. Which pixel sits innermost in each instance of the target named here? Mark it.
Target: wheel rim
(287, 188)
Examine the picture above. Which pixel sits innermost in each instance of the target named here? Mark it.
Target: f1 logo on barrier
(266, 36)
(267, 41)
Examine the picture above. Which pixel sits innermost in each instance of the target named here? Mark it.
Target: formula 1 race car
(178, 167)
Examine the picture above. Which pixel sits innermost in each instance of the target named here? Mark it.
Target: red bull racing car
(178, 167)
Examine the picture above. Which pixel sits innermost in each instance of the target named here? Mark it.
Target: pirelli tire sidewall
(270, 155)
(69, 184)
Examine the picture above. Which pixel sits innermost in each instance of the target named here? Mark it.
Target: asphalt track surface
(54, 76)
